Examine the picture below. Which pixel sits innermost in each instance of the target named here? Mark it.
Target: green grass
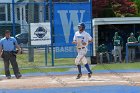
(41, 70)
(64, 61)
(39, 60)
(121, 66)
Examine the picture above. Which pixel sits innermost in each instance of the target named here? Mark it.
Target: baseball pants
(81, 56)
(131, 54)
(101, 57)
(117, 52)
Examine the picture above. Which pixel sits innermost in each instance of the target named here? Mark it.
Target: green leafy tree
(111, 8)
(138, 5)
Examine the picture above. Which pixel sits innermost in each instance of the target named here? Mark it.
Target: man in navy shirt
(8, 47)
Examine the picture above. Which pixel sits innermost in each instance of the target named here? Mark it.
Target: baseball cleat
(89, 75)
(18, 76)
(8, 77)
(79, 76)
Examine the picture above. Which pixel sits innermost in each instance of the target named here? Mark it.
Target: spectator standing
(118, 43)
(131, 49)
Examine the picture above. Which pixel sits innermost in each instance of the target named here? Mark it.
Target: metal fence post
(13, 9)
(50, 4)
(90, 1)
(46, 47)
(46, 55)
(126, 57)
(31, 20)
(44, 10)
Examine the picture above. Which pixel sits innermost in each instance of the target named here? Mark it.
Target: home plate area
(58, 81)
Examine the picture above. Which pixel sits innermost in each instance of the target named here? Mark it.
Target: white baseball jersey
(82, 37)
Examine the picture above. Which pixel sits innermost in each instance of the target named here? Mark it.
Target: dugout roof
(118, 20)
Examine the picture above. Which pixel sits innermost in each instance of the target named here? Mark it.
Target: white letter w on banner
(73, 19)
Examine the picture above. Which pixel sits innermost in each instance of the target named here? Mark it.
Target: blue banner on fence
(66, 18)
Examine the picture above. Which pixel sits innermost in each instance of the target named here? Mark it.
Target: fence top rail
(44, 46)
(27, 3)
(32, 3)
(133, 44)
(42, 2)
(41, 46)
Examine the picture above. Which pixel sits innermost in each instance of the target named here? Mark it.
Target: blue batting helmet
(81, 25)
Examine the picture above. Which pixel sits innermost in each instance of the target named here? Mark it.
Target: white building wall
(7, 1)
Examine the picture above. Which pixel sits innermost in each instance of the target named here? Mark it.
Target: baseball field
(106, 78)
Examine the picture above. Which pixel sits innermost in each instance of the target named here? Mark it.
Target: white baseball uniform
(79, 38)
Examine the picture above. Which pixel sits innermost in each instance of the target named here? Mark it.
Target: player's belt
(81, 48)
(9, 51)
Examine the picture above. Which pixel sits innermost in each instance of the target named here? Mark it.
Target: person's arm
(98, 49)
(19, 49)
(74, 39)
(139, 39)
(106, 48)
(128, 40)
(90, 39)
(113, 39)
(87, 39)
(135, 40)
(17, 46)
(121, 41)
(0, 51)
(1, 48)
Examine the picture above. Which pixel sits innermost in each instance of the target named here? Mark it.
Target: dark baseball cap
(132, 34)
(7, 31)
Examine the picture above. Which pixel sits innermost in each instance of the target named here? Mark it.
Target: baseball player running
(81, 39)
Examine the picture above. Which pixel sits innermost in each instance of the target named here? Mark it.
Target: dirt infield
(51, 81)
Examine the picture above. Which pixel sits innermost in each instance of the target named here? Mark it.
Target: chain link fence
(16, 16)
